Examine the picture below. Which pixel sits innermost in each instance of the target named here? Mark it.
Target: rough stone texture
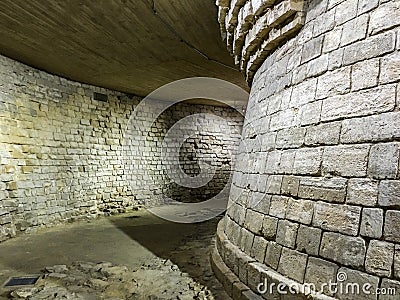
(293, 264)
(286, 233)
(362, 192)
(361, 279)
(384, 161)
(320, 272)
(379, 259)
(389, 193)
(346, 250)
(392, 226)
(63, 158)
(371, 222)
(308, 239)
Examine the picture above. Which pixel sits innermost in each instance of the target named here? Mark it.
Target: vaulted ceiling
(133, 46)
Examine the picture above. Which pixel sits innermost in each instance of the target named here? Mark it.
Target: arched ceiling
(133, 46)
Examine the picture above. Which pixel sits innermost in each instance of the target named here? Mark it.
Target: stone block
(308, 240)
(365, 74)
(323, 134)
(362, 103)
(346, 250)
(391, 288)
(324, 23)
(337, 217)
(332, 39)
(392, 226)
(366, 5)
(333, 83)
(389, 193)
(362, 191)
(259, 248)
(346, 11)
(390, 68)
(372, 222)
(310, 113)
(303, 93)
(287, 161)
(386, 16)
(312, 49)
(273, 255)
(287, 233)
(278, 206)
(270, 225)
(293, 264)
(354, 30)
(379, 259)
(323, 188)
(356, 280)
(371, 47)
(290, 185)
(246, 241)
(320, 272)
(346, 160)
(396, 265)
(335, 59)
(282, 119)
(300, 210)
(273, 161)
(307, 161)
(290, 138)
(254, 221)
(274, 183)
(384, 161)
(381, 127)
(259, 202)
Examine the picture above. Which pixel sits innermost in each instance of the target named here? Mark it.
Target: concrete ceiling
(133, 46)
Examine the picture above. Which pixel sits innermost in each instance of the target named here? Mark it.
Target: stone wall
(61, 150)
(320, 196)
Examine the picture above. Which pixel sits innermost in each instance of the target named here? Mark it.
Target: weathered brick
(337, 217)
(346, 160)
(379, 259)
(346, 250)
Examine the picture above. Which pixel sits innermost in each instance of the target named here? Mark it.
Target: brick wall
(323, 127)
(61, 151)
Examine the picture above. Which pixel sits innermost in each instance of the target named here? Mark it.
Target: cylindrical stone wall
(316, 191)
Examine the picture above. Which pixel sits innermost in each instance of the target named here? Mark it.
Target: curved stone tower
(316, 191)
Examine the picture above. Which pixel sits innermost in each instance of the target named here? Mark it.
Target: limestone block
(324, 22)
(320, 272)
(389, 193)
(391, 287)
(361, 279)
(290, 138)
(386, 16)
(323, 188)
(273, 255)
(371, 47)
(269, 227)
(332, 40)
(392, 226)
(346, 160)
(362, 192)
(365, 74)
(335, 59)
(308, 239)
(384, 161)
(303, 93)
(293, 264)
(259, 248)
(312, 49)
(254, 221)
(337, 217)
(345, 11)
(354, 30)
(310, 113)
(366, 5)
(300, 210)
(372, 128)
(323, 134)
(290, 185)
(390, 68)
(372, 222)
(333, 83)
(396, 267)
(278, 206)
(307, 161)
(287, 233)
(379, 259)
(346, 250)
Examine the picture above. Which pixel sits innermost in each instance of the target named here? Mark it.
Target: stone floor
(130, 256)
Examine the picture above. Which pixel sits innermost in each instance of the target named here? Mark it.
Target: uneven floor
(164, 260)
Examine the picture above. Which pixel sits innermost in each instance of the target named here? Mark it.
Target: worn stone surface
(392, 226)
(379, 259)
(293, 264)
(346, 250)
(362, 192)
(308, 240)
(371, 222)
(384, 161)
(286, 233)
(389, 193)
(320, 272)
(360, 278)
